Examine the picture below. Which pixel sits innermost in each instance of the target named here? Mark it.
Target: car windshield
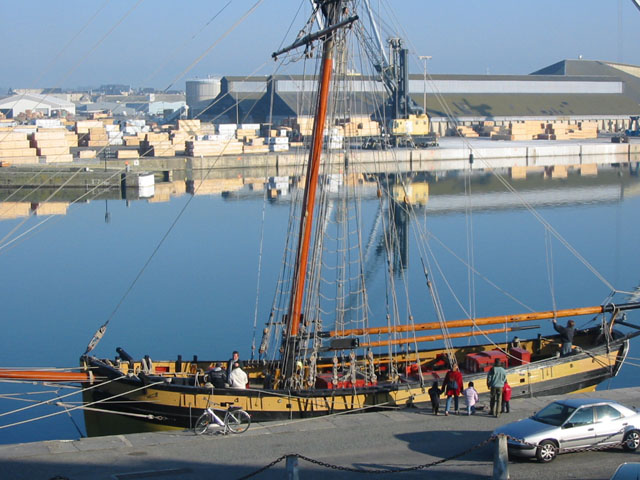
(554, 414)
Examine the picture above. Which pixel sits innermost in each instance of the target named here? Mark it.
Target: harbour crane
(403, 121)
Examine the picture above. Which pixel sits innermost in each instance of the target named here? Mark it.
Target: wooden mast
(47, 375)
(433, 338)
(521, 317)
(331, 9)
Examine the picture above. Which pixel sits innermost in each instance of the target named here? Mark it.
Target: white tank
(201, 89)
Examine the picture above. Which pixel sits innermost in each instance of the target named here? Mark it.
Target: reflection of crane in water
(394, 234)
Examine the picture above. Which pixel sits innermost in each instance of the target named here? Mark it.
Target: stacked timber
(82, 126)
(192, 125)
(97, 137)
(16, 149)
(84, 154)
(587, 130)
(247, 132)
(302, 124)
(127, 154)
(526, 130)
(227, 130)
(278, 143)
(334, 138)
(256, 145)
(464, 131)
(157, 145)
(361, 126)
(51, 145)
(487, 128)
(91, 133)
(133, 140)
(212, 148)
(134, 132)
(564, 131)
(114, 135)
(71, 137)
(188, 130)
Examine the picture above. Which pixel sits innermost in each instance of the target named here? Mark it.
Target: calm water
(197, 296)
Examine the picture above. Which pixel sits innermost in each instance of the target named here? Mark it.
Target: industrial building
(154, 104)
(200, 92)
(47, 105)
(570, 91)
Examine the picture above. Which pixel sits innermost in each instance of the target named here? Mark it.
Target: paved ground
(386, 440)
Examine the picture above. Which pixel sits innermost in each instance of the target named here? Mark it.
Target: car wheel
(546, 451)
(631, 441)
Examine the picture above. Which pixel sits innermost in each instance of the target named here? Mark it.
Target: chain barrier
(596, 446)
(266, 467)
(372, 472)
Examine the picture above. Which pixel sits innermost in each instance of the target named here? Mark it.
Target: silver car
(570, 425)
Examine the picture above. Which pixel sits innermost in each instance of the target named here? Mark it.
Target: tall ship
(324, 349)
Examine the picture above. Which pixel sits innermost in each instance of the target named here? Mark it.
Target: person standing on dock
(434, 395)
(506, 397)
(496, 379)
(452, 386)
(566, 336)
(471, 398)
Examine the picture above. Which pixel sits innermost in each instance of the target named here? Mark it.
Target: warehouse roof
(628, 74)
(529, 105)
(568, 88)
(45, 100)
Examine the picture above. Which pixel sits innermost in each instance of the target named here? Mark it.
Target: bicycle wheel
(202, 424)
(237, 421)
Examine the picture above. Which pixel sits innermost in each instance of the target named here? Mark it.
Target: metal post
(501, 459)
(292, 467)
(424, 58)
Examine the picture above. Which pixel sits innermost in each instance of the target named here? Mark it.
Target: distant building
(48, 105)
(153, 104)
(571, 90)
(200, 92)
(115, 89)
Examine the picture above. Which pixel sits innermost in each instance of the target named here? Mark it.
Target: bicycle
(236, 420)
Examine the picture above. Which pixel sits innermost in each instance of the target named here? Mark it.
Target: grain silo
(200, 92)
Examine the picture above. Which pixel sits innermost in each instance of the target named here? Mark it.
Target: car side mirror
(568, 425)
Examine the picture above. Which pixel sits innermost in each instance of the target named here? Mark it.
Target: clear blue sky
(154, 44)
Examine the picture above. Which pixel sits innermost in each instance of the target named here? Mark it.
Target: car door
(579, 430)
(609, 425)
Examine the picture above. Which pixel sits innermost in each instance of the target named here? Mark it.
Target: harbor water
(182, 277)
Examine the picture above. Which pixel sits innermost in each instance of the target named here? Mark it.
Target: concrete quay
(454, 153)
(384, 440)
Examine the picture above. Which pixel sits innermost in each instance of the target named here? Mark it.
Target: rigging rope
(42, 417)
(213, 45)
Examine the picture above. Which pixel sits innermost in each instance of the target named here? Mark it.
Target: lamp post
(424, 59)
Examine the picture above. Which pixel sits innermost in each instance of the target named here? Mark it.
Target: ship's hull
(148, 402)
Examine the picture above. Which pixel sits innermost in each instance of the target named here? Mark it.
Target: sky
(162, 43)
